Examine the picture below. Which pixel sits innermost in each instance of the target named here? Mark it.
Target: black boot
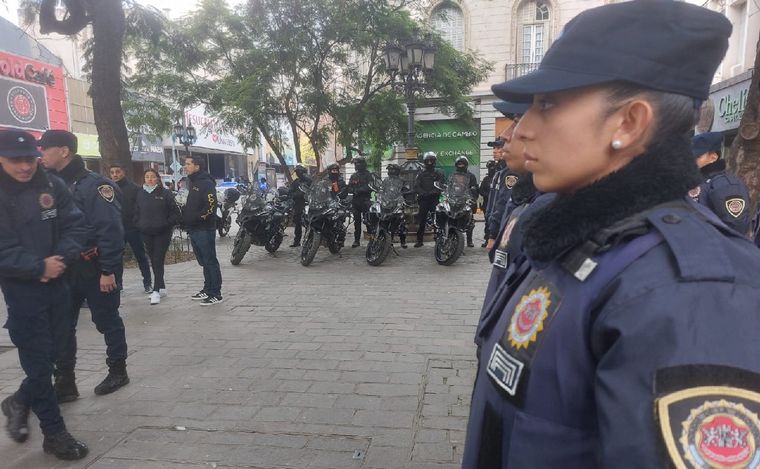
(65, 386)
(64, 446)
(117, 377)
(18, 418)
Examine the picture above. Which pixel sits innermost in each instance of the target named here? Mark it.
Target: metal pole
(411, 107)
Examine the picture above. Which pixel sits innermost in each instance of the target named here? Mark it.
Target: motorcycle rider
(394, 172)
(299, 202)
(358, 184)
(461, 164)
(427, 193)
(337, 183)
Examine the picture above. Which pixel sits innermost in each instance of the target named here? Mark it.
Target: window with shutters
(448, 21)
(533, 32)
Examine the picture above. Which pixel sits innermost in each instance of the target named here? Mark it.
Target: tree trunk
(108, 24)
(744, 156)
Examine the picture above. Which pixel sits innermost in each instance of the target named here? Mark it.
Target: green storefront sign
(449, 139)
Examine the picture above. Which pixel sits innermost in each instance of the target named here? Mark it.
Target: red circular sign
(21, 105)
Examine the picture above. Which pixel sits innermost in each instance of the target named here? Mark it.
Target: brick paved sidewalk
(338, 365)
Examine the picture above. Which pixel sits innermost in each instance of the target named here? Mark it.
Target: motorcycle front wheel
(449, 248)
(240, 246)
(273, 244)
(310, 246)
(378, 248)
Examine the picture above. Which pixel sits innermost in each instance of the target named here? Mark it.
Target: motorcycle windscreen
(320, 195)
(391, 193)
(458, 188)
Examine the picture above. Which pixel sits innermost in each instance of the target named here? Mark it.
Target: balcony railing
(517, 70)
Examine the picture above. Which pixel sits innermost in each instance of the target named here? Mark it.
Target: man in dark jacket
(427, 193)
(722, 192)
(358, 184)
(299, 202)
(484, 190)
(93, 276)
(199, 219)
(40, 234)
(132, 235)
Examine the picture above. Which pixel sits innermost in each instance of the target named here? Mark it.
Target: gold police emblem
(528, 318)
(735, 206)
(694, 193)
(510, 181)
(711, 427)
(106, 191)
(46, 201)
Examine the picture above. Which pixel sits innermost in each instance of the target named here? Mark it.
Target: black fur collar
(712, 169)
(73, 171)
(665, 172)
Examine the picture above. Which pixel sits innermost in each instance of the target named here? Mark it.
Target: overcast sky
(8, 8)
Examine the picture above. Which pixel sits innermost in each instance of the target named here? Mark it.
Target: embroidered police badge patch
(735, 206)
(710, 426)
(694, 193)
(106, 192)
(528, 318)
(46, 201)
(510, 181)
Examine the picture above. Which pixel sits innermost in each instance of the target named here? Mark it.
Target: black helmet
(462, 162)
(333, 168)
(429, 159)
(393, 169)
(299, 170)
(283, 191)
(360, 163)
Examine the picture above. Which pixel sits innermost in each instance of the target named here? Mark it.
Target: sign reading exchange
(450, 139)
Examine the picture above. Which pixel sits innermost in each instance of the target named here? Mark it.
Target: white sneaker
(155, 298)
(163, 292)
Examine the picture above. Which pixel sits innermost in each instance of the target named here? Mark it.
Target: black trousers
(104, 310)
(38, 324)
(157, 245)
(298, 209)
(360, 210)
(135, 241)
(426, 205)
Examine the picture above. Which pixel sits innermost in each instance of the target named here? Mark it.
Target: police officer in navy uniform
(484, 190)
(40, 234)
(427, 193)
(461, 163)
(627, 338)
(299, 202)
(358, 184)
(722, 192)
(506, 178)
(92, 276)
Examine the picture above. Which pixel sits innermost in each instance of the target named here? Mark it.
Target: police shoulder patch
(735, 206)
(709, 420)
(46, 200)
(106, 191)
(510, 181)
(694, 193)
(528, 317)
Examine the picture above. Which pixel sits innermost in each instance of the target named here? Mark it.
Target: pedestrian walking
(92, 277)
(627, 338)
(156, 214)
(40, 235)
(129, 191)
(199, 220)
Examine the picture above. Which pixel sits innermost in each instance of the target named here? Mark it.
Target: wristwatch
(105, 272)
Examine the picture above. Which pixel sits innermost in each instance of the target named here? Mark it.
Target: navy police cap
(59, 138)
(16, 143)
(706, 143)
(511, 109)
(664, 45)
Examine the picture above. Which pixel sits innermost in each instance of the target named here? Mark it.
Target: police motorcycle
(386, 216)
(453, 215)
(326, 219)
(262, 222)
(225, 209)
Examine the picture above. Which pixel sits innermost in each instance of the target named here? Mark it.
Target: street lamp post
(185, 135)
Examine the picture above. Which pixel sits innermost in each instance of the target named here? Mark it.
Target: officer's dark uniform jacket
(621, 301)
(358, 184)
(39, 219)
(127, 199)
(338, 186)
(299, 197)
(155, 212)
(97, 198)
(485, 187)
(726, 195)
(424, 184)
(503, 182)
(199, 212)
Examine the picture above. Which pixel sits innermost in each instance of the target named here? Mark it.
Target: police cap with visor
(663, 45)
(58, 138)
(706, 143)
(16, 143)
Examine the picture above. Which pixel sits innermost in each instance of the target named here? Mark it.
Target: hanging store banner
(450, 139)
(32, 94)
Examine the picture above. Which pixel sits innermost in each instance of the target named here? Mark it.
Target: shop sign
(450, 139)
(729, 106)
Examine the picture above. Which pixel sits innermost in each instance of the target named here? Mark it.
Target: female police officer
(630, 339)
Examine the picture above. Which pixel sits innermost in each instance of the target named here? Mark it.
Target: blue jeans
(204, 247)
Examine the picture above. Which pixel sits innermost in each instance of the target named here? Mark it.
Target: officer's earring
(617, 144)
